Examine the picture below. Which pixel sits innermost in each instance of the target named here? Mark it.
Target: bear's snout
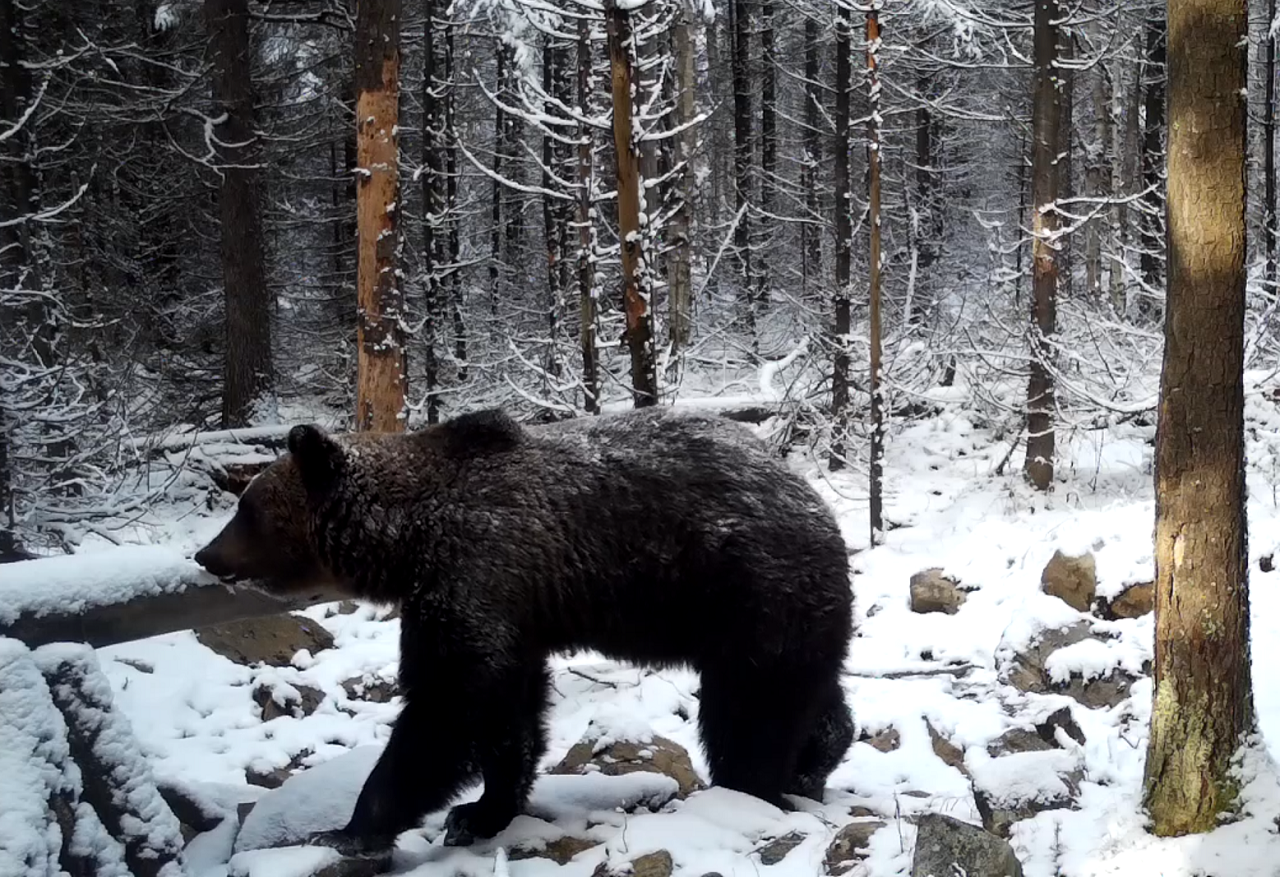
(212, 562)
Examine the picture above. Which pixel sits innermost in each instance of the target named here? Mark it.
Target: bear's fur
(653, 537)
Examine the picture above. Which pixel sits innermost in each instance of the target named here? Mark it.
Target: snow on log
(127, 593)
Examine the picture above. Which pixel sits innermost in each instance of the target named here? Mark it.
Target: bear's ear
(318, 457)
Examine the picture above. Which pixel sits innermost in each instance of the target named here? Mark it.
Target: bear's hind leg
(424, 765)
(829, 740)
(511, 742)
(753, 724)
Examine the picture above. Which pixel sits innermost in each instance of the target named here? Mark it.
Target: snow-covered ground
(194, 713)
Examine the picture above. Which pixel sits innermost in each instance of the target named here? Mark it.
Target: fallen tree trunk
(122, 594)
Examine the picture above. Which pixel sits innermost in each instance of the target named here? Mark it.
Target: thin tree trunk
(382, 375)
(495, 194)
(1045, 118)
(812, 234)
(742, 156)
(551, 225)
(1066, 152)
(455, 287)
(247, 372)
(1269, 153)
(636, 289)
(681, 301)
(927, 243)
(768, 147)
(844, 238)
(1128, 183)
(586, 265)
(433, 210)
(873, 178)
(1153, 159)
(1096, 177)
(1202, 708)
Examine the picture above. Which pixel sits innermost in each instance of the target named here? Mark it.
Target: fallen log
(120, 594)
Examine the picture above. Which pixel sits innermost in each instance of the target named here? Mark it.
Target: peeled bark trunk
(636, 289)
(844, 239)
(1045, 118)
(1202, 708)
(247, 372)
(382, 377)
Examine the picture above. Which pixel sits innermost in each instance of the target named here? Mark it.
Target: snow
(195, 719)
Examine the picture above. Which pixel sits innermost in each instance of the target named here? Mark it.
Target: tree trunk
(873, 179)
(811, 233)
(1269, 154)
(768, 149)
(1152, 162)
(433, 210)
(1045, 118)
(926, 236)
(247, 372)
(454, 284)
(586, 264)
(552, 226)
(495, 191)
(742, 156)
(1096, 177)
(681, 301)
(382, 375)
(1066, 150)
(1202, 706)
(844, 238)
(636, 289)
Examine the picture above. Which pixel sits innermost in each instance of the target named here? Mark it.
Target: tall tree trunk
(1045, 117)
(552, 226)
(742, 156)
(844, 237)
(247, 372)
(926, 236)
(768, 147)
(681, 296)
(495, 192)
(1202, 707)
(636, 287)
(1269, 153)
(810, 231)
(1153, 159)
(1096, 177)
(382, 373)
(433, 209)
(1066, 152)
(873, 199)
(454, 284)
(586, 263)
(1127, 182)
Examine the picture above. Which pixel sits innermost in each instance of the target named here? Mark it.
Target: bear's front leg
(425, 764)
(511, 739)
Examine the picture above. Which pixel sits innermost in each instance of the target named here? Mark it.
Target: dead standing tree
(636, 287)
(382, 374)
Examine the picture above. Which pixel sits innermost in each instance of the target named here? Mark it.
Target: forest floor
(946, 722)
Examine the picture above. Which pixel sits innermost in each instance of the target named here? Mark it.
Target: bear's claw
(473, 821)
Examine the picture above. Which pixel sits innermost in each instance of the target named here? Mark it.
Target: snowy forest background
(164, 266)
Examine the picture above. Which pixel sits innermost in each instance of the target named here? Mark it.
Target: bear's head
(268, 540)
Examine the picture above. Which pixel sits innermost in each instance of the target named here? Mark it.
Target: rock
(271, 639)
(1017, 786)
(660, 755)
(305, 861)
(196, 812)
(655, 864)
(275, 777)
(1267, 562)
(999, 814)
(949, 752)
(1026, 671)
(1060, 718)
(373, 689)
(947, 846)
(1104, 693)
(1018, 740)
(561, 850)
(860, 812)
(885, 741)
(850, 844)
(1133, 602)
(1074, 580)
(776, 850)
(277, 701)
(931, 591)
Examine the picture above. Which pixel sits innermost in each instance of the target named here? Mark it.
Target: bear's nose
(209, 561)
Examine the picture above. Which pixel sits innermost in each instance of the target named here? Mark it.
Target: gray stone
(270, 639)
(1026, 671)
(1133, 602)
(276, 702)
(776, 850)
(949, 752)
(655, 864)
(1074, 580)
(659, 755)
(885, 741)
(850, 845)
(561, 850)
(944, 844)
(998, 816)
(931, 591)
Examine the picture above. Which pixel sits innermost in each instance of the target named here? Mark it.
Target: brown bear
(653, 537)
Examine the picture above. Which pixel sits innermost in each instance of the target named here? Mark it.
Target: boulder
(1133, 602)
(273, 778)
(947, 846)
(1014, 787)
(373, 689)
(659, 755)
(776, 850)
(561, 850)
(885, 741)
(1027, 673)
(850, 845)
(950, 753)
(1072, 579)
(655, 864)
(931, 591)
(298, 701)
(270, 639)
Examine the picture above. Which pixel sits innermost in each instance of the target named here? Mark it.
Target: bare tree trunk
(454, 285)
(1066, 151)
(812, 234)
(1269, 153)
(1096, 177)
(636, 288)
(1126, 182)
(1045, 118)
(247, 372)
(873, 179)
(552, 227)
(381, 384)
(926, 237)
(495, 196)
(1202, 709)
(844, 238)
(742, 157)
(681, 301)
(1152, 162)
(768, 147)
(433, 209)
(586, 265)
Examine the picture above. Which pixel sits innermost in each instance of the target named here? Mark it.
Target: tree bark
(1045, 118)
(1096, 176)
(681, 295)
(768, 149)
(742, 157)
(247, 371)
(1202, 707)
(382, 375)
(1269, 154)
(433, 210)
(586, 264)
(636, 289)
(844, 238)
(810, 232)
(1153, 158)
(873, 179)
(495, 193)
